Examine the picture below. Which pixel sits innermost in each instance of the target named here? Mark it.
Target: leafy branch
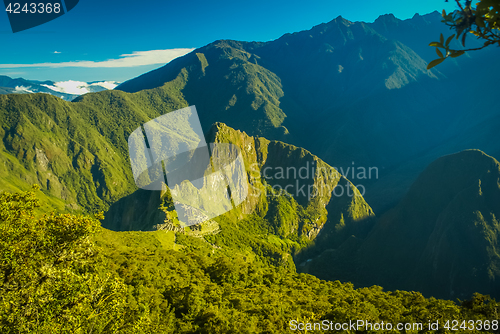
(483, 21)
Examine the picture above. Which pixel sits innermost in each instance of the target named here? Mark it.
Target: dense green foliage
(48, 274)
(54, 281)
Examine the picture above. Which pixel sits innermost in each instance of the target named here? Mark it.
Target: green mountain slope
(462, 252)
(66, 270)
(76, 151)
(284, 221)
(441, 239)
(190, 286)
(343, 90)
(349, 92)
(227, 84)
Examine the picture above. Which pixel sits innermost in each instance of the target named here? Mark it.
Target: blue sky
(118, 40)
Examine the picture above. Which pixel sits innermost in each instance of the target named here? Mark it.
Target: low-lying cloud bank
(80, 87)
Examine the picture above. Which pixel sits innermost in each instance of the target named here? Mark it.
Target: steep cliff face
(294, 192)
(277, 172)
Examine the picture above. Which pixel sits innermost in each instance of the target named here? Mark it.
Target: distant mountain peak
(418, 18)
(389, 16)
(340, 20)
(387, 20)
(435, 15)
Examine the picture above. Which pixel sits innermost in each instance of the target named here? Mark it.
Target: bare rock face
(41, 159)
(299, 183)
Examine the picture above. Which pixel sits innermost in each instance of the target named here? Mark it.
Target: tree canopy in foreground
(65, 274)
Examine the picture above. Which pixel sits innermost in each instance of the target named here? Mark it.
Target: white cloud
(79, 87)
(57, 52)
(137, 58)
(105, 84)
(22, 89)
(69, 87)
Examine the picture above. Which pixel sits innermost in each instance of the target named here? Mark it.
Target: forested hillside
(349, 92)
(63, 273)
(373, 189)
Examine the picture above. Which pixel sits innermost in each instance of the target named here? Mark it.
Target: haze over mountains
(353, 95)
(363, 88)
(66, 90)
(441, 239)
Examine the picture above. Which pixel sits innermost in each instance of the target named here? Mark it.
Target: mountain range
(363, 88)
(412, 150)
